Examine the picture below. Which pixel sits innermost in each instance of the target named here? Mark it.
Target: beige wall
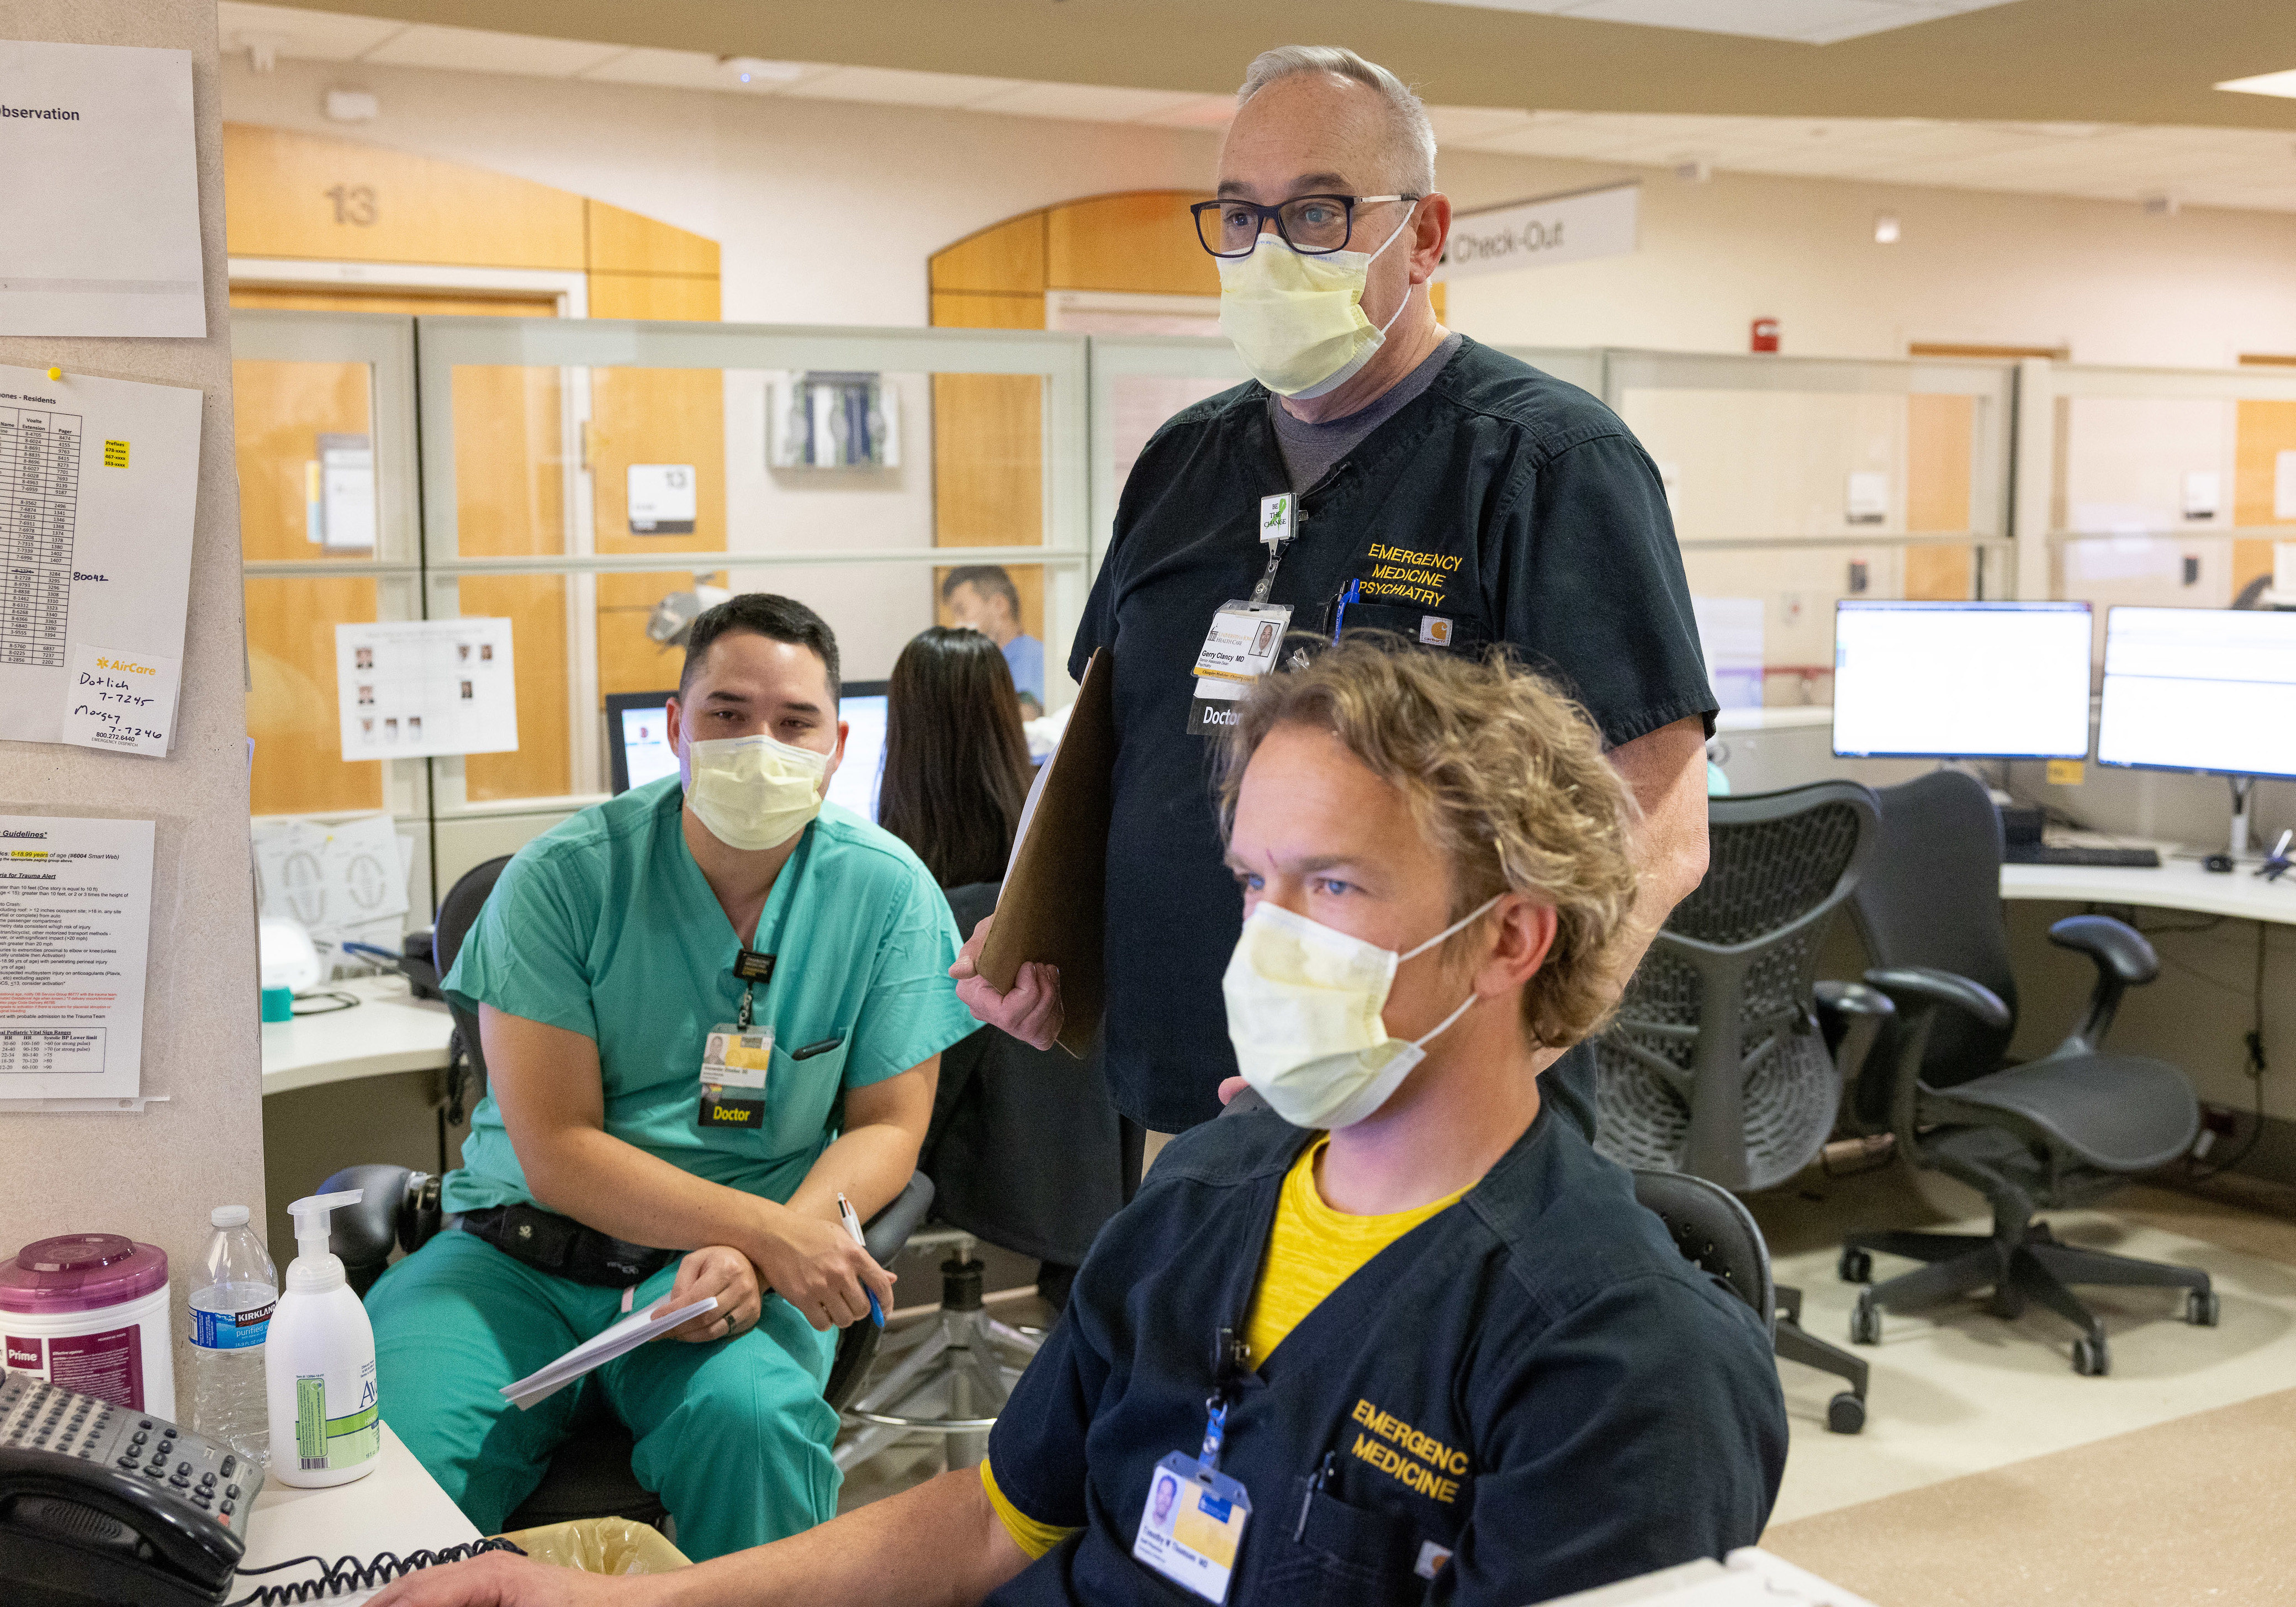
(155, 1177)
(827, 211)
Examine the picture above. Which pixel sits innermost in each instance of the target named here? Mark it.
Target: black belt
(554, 1243)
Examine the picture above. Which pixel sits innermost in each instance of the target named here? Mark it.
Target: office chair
(2053, 1132)
(1715, 1233)
(1025, 1153)
(589, 1476)
(1715, 1065)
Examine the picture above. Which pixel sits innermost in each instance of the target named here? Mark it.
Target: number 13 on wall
(354, 203)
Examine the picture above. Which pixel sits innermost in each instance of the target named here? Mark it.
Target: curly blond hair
(1502, 771)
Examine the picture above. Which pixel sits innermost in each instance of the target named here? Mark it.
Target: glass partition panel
(1796, 482)
(598, 483)
(2167, 488)
(324, 432)
(293, 711)
(1137, 382)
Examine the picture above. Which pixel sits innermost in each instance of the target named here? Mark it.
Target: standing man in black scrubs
(1380, 473)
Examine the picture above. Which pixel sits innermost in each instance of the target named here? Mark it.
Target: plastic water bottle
(231, 1317)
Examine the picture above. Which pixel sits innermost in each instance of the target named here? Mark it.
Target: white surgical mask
(752, 791)
(1304, 1006)
(1298, 322)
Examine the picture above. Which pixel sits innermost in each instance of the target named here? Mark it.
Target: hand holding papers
(621, 1340)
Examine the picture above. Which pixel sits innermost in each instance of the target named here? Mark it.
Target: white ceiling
(2197, 167)
(1804, 21)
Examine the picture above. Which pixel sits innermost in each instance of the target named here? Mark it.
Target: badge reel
(736, 1057)
(1195, 1518)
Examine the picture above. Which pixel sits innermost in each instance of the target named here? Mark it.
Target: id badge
(1243, 641)
(1191, 1525)
(735, 1062)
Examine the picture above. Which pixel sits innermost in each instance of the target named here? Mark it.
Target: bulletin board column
(154, 1176)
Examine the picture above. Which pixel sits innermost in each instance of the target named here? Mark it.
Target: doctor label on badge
(733, 1066)
(1240, 647)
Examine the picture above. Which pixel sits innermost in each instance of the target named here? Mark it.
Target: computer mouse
(2219, 863)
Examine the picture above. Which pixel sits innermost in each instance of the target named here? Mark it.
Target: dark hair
(956, 764)
(989, 580)
(761, 614)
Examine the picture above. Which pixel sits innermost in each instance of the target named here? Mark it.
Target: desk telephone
(99, 1504)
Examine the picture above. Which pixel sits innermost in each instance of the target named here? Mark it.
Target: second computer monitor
(2205, 689)
(1961, 680)
(639, 751)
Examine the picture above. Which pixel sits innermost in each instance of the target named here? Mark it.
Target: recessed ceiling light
(1885, 230)
(750, 70)
(2264, 83)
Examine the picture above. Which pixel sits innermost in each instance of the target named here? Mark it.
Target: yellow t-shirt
(1311, 1250)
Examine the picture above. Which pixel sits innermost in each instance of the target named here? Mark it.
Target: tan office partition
(153, 1177)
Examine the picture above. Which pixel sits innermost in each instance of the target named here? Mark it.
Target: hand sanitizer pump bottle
(319, 1363)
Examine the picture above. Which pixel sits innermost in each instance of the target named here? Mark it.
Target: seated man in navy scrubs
(1403, 1337)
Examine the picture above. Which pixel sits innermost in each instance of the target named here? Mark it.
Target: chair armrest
(2119, 949)
(890, 1229)
(1850, 1015)
(1913, 988)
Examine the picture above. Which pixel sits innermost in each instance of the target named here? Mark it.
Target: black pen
(823, 1047)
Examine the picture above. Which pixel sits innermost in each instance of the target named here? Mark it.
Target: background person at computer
(1476, 1371)
(1446, 493)
(982, 596)
(1024, 1148)
(609, 951)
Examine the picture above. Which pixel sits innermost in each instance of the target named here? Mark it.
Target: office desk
(389, 1032)
(399, 1508)
(2175, 884)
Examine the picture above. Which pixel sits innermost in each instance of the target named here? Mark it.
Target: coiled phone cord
(348, 1573)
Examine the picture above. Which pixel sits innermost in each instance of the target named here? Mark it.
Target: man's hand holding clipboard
(1034, 969)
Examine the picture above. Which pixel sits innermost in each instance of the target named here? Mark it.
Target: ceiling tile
(1084, 103)
(1464, 125)
(897, 87)
(476, 50)
(308, 35)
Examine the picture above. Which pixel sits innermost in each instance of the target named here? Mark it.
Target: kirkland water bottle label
(230, 1330)
(322, 1441)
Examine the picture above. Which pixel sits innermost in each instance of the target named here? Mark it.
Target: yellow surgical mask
(754, 792)
(1304, 1003)
(1298, 322)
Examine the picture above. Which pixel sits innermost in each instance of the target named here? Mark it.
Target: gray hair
(1415, 135)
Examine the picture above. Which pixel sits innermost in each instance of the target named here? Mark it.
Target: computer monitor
(1961, 680)
(2207, 690)
(638, 750)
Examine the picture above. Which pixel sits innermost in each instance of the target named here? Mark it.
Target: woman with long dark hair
(1024, 1148)
(956, 762)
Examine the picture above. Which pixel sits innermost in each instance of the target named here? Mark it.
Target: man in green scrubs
(613, 945)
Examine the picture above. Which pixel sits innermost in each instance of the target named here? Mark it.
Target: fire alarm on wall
(1766, 334)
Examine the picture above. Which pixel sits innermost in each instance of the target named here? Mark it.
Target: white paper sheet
(97, 482)
(426, 687)
(621, 1340)
(339, 880)
(75, 927)
(100, 232)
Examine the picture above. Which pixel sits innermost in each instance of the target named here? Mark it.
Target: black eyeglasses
(1314, 226)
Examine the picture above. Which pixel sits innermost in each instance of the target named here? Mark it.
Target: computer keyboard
(2048, 853)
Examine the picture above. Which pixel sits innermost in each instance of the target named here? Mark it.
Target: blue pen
(853, 1226)
(1354, 593)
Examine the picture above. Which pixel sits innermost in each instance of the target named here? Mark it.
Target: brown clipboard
(1053, 905)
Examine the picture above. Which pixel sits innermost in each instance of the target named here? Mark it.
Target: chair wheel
(1866, 1321)
(1845, 1414)
(2200, 1307)
(1855, 1267)
(2090, 1357)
